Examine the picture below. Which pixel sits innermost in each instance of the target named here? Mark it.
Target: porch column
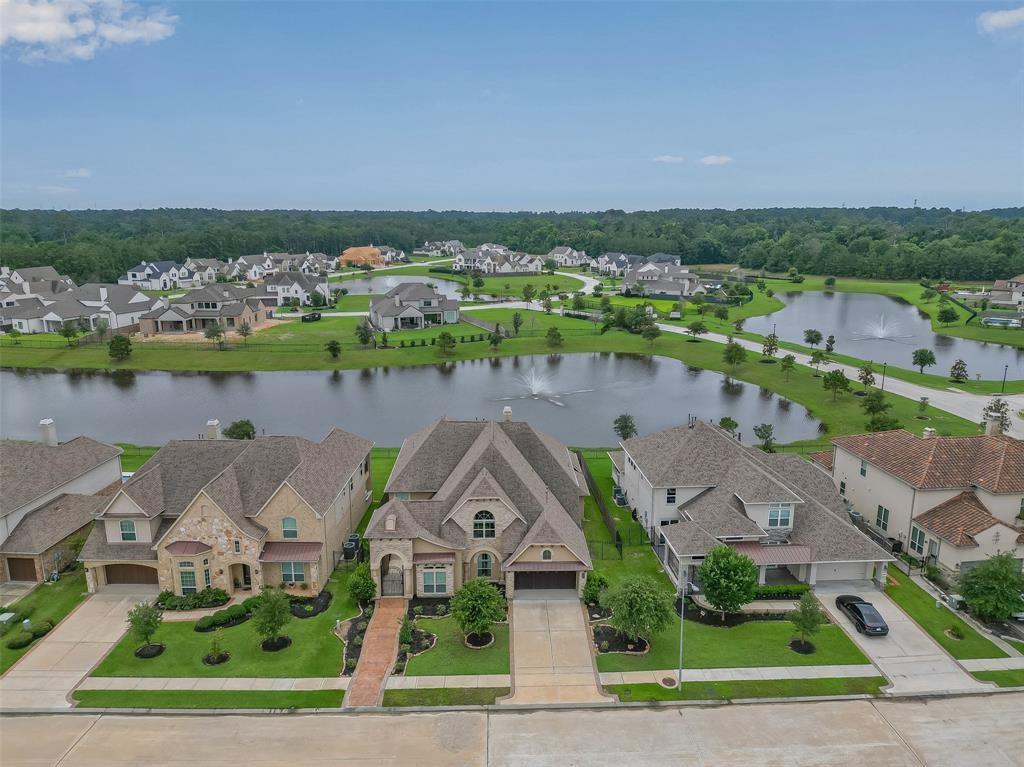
(762, 575)
(410, 581)
(881, 569)
(812, 577)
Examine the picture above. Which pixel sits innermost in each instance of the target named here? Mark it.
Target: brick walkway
(378, 655)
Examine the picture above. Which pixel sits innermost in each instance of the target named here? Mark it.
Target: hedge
(229, 616)
(168, 600)
(782, 591)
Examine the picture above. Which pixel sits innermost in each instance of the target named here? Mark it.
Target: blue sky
(515, 106)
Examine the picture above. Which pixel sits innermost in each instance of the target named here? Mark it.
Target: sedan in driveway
(863, 614)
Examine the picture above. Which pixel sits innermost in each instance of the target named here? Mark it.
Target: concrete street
(981, 730)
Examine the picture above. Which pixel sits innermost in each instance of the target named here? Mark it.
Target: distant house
(158, 275)
(286, 286)
(317, 263)
(413, 305)
(49, 496)
(221, 304)
(563, 255)
(1009, 293)
(441, 248)
(663, 280)
(497, 259)
(616, 264)
(205, 270)
(392, 255)
(254, 268)
(366, 255)
(120, 306)
(697, 487)
(238, 515)
(31, 282)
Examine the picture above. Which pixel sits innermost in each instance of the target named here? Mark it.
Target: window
(206, 573)
(670, 495)
(917, 539)
(546, 554)
(842, 488)
(293, 572)
(484, 567)
(238, 547)
(780, 515)
(289, 528)
(882, 518)
(863, 468)
(483, 525)
(128, 530)
(435, 580)
(187, 577)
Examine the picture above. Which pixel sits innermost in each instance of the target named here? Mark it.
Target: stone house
(233, 514)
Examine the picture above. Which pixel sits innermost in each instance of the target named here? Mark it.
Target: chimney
(398, 301)
(103, 293)
(506, 412)
(993, 426)
(213, 429)
(48, 432)
(928, 432)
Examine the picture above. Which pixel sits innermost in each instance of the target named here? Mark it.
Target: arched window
(289, 527)
(546, 554)
(483, 525)
(484, 566)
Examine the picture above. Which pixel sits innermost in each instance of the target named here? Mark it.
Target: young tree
(271, 614)
(812, 337)
(787, 365)
(830, 344)
(830, 282)
(722, 313)
(733, 354)
(361, 587)
(478, 281)
(15, 335)
(959, 371)
(866, 375)
(807, 618)
(696, 328)
(119, 348)
(728, 424)
(495, 338)
(993, 588)
(554, 337)
(836, 381)
(650, 333)
(818, 358)
(143, 621)
(699, 304)
(333, 347)
(445, 343)
(923, 358)
(476, 606)
(517, 322)
(102, 326)
(640, 608)
(766, 433)
(876, 407)
(728, 579)
(625, 426)
(997, 408)
(948, 315)
(69, 330)
(317, 299)
(546, 305)
(364, 333)
(245, 330)
(384, 339)
(578, 303)
(528, 293)
(738, 325)
(928, 295)
(771, 346)
(214, 332)
(242, 429)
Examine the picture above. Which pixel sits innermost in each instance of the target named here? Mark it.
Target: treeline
(892, 243)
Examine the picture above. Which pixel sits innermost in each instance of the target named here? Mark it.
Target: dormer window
(780, 515)
(127, 528)
(546, 555)
(483, 525)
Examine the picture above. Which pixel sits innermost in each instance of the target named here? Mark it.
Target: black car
(311, 317)
(863, 614)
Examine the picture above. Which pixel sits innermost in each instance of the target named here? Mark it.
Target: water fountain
(539, 386)
(882, 330)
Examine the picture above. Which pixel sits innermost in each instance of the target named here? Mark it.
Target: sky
(510, 106)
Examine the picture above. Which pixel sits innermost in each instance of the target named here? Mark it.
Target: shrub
(304, 586)
(956, 632)
(41, 629)
(250, 604)
(357, 641)
(405, 633)
(361, 586)
(417, 610)
(404, 649)
(368, 612)
(476, 606)
(728, 578)
(206, 623)
(639, 607)
(441, 609)
(782, 591)
(399, 667)
(350, 664)
(19, 640)
(361, 626)
(235, 611)
(594, 587)
(993, 588)
(604, 646)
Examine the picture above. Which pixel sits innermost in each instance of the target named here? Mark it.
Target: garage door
(21, 569)
(546, 580)
(843, 571)
(130, 574)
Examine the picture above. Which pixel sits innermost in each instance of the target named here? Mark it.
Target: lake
(884, 329)
(381, 284)
(574, 397)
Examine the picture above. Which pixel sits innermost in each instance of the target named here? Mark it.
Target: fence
(606, 515)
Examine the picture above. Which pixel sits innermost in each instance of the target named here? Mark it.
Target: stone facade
(401, 549)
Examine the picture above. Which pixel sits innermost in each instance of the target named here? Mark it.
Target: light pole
(682, 613)
(1002, 388)
(884, 366)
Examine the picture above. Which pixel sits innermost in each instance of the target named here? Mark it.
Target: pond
(381, 284)
(884, 329)
(574, 397)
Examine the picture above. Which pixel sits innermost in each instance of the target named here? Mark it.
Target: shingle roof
(51, 523)
(97, 549)
(29, 470)
(995, 463)
(958, 520)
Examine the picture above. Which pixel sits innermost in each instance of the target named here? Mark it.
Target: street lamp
(682, 614)
(884, 366)
(1006, 369)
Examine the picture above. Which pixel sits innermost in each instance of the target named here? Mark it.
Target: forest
(886, 243)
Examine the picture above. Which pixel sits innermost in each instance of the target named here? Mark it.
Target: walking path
(380, 645)
(756, 673)
(993, 664)
(552, 660)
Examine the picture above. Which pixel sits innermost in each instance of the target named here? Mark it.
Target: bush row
(24, 638)
(168, 600)
(782, 591)
(229, 616)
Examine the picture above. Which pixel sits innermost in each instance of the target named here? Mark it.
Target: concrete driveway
(552, 660)
(908, 656)
(45, 676)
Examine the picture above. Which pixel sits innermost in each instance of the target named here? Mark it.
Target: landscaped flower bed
(412, 641)
(595, 612)
(355, 633)
(230, 616)
(310, 607)
(168, 600)
(428, 607)
(608, 639)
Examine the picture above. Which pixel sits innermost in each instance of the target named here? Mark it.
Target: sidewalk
(994, 664)
(434, 682)
(756, 673)
(214, 683)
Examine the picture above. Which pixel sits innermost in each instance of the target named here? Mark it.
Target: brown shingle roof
(51, 523)
(958, 520)
(30, 470)
(995, 463)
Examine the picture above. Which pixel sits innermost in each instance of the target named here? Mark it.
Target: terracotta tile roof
(291, 551)
(995, 463)
(823, 458)
(958, 520)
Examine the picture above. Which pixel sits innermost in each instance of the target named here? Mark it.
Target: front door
(392, 579)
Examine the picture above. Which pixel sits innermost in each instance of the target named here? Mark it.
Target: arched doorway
(392, 577)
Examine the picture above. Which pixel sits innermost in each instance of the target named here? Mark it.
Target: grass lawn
(382, 460)
(536, 322)
(768, 688)
(1015, 643)
(444, 696)
(354, 302)
(343, 329)
(449, 655)
(920, 606)
(49, 602)
(1013, 678)
(135, 455)
(209, 699)
(314, 652)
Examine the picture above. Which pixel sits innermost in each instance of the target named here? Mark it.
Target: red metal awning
(291, 551)
(187, 548)
(434, 556)
(781, 554)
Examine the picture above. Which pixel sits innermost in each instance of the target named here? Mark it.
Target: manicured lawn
(1012, 678)
(314, 652)
(769, 688)
(536, 322)
(354, 302)
(209, 699)
(382, 460)
(451, 656)
(446, 696)
(343, 329)
(920, 606)
(134, 455)
(1015, 643)
(48, 602)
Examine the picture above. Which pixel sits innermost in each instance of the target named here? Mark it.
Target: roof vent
(506, 412)
(928, 432)
(389, 523)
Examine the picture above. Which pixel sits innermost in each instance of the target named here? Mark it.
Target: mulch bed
(149, 651)
(421, 642)
(216, 660)
(596, 612)
(428, 607)
(714, 618)
(479, 641)
(617, 642)
(802, 647)
(229, 624)
(310, 607)
(352, 649)
(276, 645)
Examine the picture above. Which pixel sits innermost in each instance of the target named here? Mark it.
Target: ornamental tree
(993, 588)
(807, 618)
(476, 606)
(866, 375)
(959, 371)
(948, 315)
(696, 328)
(733, 354)
(640, 608)
(241, 429)
(923, 358)
(625, 426)
(787, 365)
(812, 337)
(271, 614)
(728, 579)
(836, 381)
(143, 621)
(361, 587)
(766, 433)
(119, 348)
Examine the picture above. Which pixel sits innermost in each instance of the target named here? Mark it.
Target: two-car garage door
(130, 574)
(545, 579)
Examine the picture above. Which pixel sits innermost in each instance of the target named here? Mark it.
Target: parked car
(865, 617)
(311, 317)
(1019, 616)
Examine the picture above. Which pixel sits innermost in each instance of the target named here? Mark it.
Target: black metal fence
(613, 526)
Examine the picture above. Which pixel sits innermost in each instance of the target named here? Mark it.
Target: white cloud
(77, 173)
(991, 22)
(66, 30)
(669, 158)
(716, 159)
(50, 189)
